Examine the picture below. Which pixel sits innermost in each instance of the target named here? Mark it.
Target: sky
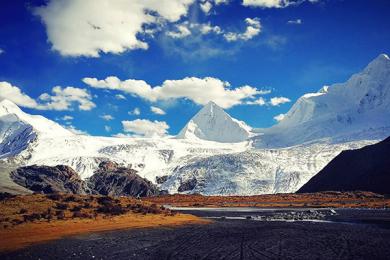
(145, 67)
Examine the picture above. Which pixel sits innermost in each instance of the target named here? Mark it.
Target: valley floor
(351, 234)
(327, 225)
(31, 219)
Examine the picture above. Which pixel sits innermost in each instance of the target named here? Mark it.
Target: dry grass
(25, 220)
(356, 199)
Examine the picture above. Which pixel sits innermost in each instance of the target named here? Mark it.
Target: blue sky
(287, 48)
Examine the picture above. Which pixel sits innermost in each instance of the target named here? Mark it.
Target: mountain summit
(354, 110)
(214, 124)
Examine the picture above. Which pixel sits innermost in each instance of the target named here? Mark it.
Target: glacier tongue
(214, 124)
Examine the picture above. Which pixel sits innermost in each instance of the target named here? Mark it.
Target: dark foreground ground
(355, 234)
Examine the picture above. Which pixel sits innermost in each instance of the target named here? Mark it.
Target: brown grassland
(29, 219)
(358, 199)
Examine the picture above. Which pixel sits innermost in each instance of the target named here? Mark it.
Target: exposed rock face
(49, 179)
(365, 169)
(188, 185)
(112, 179)
(161, 179)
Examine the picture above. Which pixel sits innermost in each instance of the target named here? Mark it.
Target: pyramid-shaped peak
(383, 56)
(211, 105)
(214, 124)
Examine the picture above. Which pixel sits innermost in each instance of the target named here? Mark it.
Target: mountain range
(215, 154)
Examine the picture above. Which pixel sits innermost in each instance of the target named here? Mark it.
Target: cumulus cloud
(274, 3)
(135, 112)
(276, 101)
(157, 110)
(198, 90)
(88, 27)
(206, 7)
(60, 99)
(297, 21)
(67, 118)
(146, 128)
(120, 97)
(14, 94)
(206, 28)
(107, 117)
(260, 102)
(279, 117)
(107, 128)
(253, 28)
(64, 98)
(180, 32)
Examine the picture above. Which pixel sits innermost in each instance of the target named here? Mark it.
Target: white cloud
(279, 117)
(181, 32)
(206, 7)
(120, 97)
(61, 98)
(88, 27)
(260, 102)
(1, 51)
(107, 117)
(253, 28)
(276, 101)
(146, 128)
(297, 21)
(107, 128)
(206, 28)
(67, 118)
(274, 3)
(135, 112)
(199, 90)
(75, 130)
(14, 94)
(218, 2)
(157, 110)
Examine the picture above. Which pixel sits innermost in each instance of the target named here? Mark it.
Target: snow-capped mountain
(355, 110)
(18, 129)
(214, 124)
(214, 153)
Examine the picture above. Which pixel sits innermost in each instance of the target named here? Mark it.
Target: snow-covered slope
(255, 171)
(355, 110)
(214, 124)
(18, 129)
